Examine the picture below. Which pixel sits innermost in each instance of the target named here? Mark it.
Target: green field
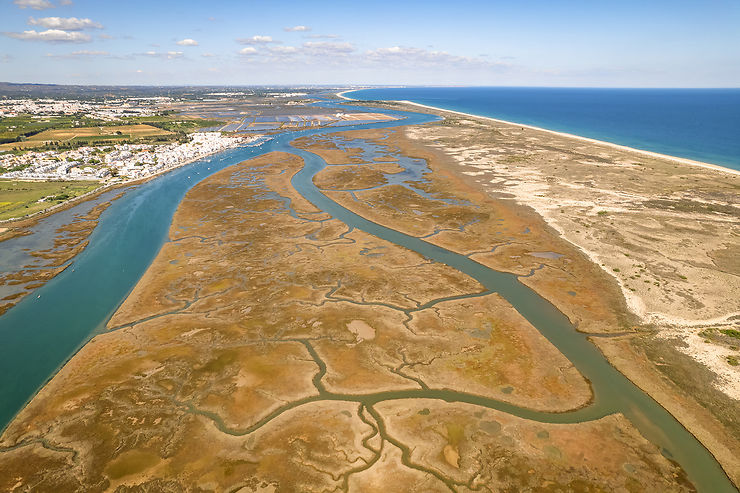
(23, 132)
(74, 137)
(23, 126)
(175, 123)
(18, 198)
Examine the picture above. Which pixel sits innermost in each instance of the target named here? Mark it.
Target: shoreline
(7, 224)
(342, 95)
(104, 187)
(680, 160)
(633, 302)
(686, 410)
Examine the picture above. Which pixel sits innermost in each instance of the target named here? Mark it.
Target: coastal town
(102, 136)
(108, 140)
(56, 147)
(109, 110)
(119, 162)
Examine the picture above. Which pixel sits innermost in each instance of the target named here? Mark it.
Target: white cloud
(51, 36)
(6, 58)
(66, 2)
(256, 40)
(207, 55)
(283, 50)
(79, 54)
(297, 29)
(65, 23)
(321, 36)
(169, 55)
(34, 4)
(341, 53)
(187, 42)
(89, 53)
(309, 52)
(327, 48)
(418, 57)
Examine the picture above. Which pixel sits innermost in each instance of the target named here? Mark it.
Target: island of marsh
(257, 352)
(662, 232)
(60, 241)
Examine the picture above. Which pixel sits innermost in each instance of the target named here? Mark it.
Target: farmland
(27, 131)
(174, 122)
(89, 135)
(17, 128)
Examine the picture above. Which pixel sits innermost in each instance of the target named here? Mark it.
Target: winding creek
(45, 329)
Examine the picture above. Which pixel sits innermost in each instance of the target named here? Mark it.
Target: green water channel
(613, 392)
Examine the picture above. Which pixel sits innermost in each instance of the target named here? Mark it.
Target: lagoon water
(48, 326)
(698, 124)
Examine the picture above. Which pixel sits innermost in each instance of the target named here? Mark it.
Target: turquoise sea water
(699, 124)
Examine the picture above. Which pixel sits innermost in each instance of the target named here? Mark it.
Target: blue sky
(653, 43)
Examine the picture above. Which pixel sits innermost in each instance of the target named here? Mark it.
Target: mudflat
(270, 347)
(661, 232)
(44, 264)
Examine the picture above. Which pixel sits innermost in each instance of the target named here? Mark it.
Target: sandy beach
(642, 152)
(661, 227)
(652, 227)
(686, 263)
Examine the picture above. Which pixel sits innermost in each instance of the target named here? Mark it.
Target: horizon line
(372, 86)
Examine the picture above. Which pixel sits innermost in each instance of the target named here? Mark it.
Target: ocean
(698, 124)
